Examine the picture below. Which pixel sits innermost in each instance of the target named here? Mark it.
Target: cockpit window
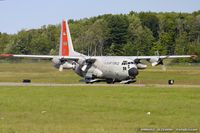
(127, 63)
(124, 63)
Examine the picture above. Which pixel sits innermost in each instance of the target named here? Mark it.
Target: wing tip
(194, 56)
(6, 55)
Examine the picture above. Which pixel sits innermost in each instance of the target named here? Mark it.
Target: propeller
(87, 63)
(84, 67)
(62, 61)
(164, 68)
(61, 68)
(194, 56)
(158, 61)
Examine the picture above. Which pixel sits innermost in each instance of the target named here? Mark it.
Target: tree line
(135, 33)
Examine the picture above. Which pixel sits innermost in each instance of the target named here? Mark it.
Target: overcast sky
(26, 14)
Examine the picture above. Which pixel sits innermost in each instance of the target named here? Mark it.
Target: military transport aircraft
(111, 69)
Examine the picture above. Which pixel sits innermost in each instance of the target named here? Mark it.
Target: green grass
(97, 109)
(182, 74)
(100, 109)
(44, 72)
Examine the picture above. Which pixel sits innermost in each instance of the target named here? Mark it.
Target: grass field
(44, 72)
(97, 109)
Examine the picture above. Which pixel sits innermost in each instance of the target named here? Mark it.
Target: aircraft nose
(133, 72)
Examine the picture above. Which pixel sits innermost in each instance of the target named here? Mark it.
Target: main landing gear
(109, 81)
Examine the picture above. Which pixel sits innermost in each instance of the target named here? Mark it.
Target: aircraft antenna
(88, 51)
(95, 52)
(157, 53)
(101, 51)
(138, 53)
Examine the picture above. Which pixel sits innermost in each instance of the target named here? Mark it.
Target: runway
(52, 84)
(111, 85)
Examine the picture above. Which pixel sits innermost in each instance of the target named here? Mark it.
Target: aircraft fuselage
(109, 68)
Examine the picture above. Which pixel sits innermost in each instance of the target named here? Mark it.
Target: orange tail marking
(65, 47)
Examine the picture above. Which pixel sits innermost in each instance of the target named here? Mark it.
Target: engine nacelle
(56, 61)
(68, 65)
(65, 65)
(84, 68)
(141, 66)
(81, 61)
(156, 61)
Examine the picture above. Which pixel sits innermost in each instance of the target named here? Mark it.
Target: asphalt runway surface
(52, 84)
(114, 85)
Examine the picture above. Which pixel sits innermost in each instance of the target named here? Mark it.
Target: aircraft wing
(40, 56)
(158, 60)
(163, 57)
(28, 56)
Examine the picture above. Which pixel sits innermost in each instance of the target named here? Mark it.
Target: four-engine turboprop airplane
(123, 69)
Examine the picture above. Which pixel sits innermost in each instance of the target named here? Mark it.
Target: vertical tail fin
(66, 46)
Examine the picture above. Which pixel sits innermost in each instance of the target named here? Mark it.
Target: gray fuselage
(116, 68)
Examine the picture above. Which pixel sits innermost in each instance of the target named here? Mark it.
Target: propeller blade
(84, 67)
(61, 68)
(164, 68)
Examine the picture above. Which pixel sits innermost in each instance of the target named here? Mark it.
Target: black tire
(110, 81)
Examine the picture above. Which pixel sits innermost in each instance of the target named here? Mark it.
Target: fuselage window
(124, 68)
